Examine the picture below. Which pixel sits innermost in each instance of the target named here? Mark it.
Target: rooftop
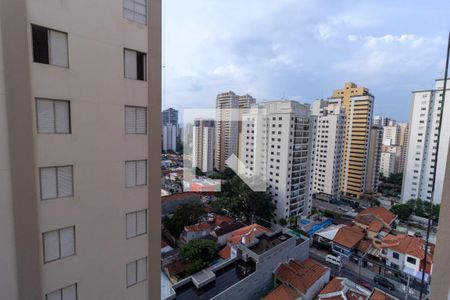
(282, 292)
(266, 242)
(349, 236)
(343, 288)
(380, 213)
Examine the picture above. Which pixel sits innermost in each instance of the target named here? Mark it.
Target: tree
(200, 253)
(198, 172)
(185, 215)
(243, 203)
(403, 211)
(283, 222)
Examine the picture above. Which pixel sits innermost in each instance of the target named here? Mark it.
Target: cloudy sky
(303, 49)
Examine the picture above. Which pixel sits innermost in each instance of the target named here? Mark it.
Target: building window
(50, 46)
(136, 271)
(411, 260)
(59, 243)
(135, 10)
(53, 116)
(56, 182)
(395, 255)
(134, 64)
(67, 293)
(135, 120)
(136, 172)
(136, 223)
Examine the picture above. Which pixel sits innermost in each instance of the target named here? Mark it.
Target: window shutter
(45, 116)
(67, 236)
(70, 292)
(62, 119)
(56, 295)
(65, 182)
(141, 171)
(130, 119)
(141, 120)
(141, 222)
(58, 48)
(142, 269)
(48, 183)
(130, 167)
(51, 245)
(130, 64)
(131, 225)
(131, 273)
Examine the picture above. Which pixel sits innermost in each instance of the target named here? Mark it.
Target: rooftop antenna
(435, 168)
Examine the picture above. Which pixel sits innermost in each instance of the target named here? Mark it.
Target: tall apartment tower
(170, 116)
(229, 109)
(203, 145)
(426, 107)
(79, 90)
(373, 161)
(358, 105)
(276, 144)
(169, 137)
(391, 135)
(403, 143)
(328, 139)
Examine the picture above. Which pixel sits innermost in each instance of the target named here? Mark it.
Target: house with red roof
(345, 289)
(299, 280)
(203, 229)
(346, 241)
(375, 220)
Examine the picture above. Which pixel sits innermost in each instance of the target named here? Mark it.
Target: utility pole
(434, 173)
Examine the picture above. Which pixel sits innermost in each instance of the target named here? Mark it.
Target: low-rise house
(203, 229)
(407, 253)
(299, 280)
(343, 288)
(346, 240)
(222, 233)
(375, 220)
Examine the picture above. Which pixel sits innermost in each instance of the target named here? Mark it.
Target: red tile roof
(225, 252)
(246, 234)
(380, 295)
(381, 213)
(300, 275)
(375, 226)
(349, 236)
(336, 286)
(282, 292)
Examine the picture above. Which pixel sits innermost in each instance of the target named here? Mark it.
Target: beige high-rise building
(80, 86)
(374, 159)
(229, 109)
(358, 105)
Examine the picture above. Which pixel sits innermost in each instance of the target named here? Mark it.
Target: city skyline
(328, 44)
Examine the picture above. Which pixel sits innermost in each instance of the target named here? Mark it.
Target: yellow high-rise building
(358, 105)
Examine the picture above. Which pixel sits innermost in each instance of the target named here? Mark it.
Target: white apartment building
(169, 137)
(276, 145)
(80, 86)
(328, 142)
(229, 109)
(387, 163)
(203, 145)
(426, 107)
(391, 135)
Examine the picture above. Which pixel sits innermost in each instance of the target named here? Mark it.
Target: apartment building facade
(328, 142)
(77, 100)
(374, 159)
(426, 107)
(358, 105)
(229, 109)
(276, 147)
(169, 137)
(203, 145)
(170, 116)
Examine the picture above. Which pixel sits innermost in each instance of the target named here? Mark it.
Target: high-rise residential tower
(203, 145)
(426, 107)
(276, 145)
(80, 87)
(328, 140)
(229, 109)
(169, 137)
(170, 116)
(358, 105)
(373, 161)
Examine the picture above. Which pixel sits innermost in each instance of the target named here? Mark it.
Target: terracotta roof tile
(225, 252)
(349, 236)
(380, 212)
(246, 234)
(282, 292)
(375, 226)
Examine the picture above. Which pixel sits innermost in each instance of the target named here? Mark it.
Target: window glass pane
(139, 8)
(128, 14)
(48, 183)
(141, 2)
(140, 69)
(142, 19)
(70, 292)
(130, 167)
(40, 44)
(56, 295)
(62, 118)
(130, 64)
(58, 49)
(141, 120)
(67, 236)
(129, 4)
(131, 225)
(65, 185)
(141, 222)
(130, 119)
(51, 245)
(141, 166)
(142, 269)
(45, 117)
(131, 273)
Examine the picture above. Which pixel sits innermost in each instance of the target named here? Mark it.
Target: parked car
(381, 281)
(335, 260)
